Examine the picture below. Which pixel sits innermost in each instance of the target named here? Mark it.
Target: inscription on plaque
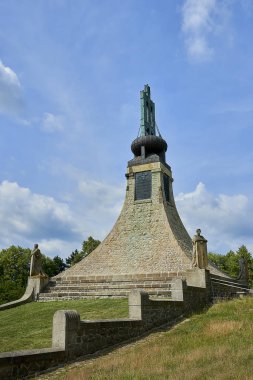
(143, 185)
(166, 187)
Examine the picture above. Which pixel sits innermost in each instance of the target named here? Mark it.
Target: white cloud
(52, 123)
(93, 207)
(10, 91)
(59, 227)
(201, 20)
(226, 220)
(198, 48)
(95, 203)
(62, 248)
(104, 195)
(98, 204)
(27, 218)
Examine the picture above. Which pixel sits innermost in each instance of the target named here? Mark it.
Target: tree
(14, 270)
(52, 266)
(59, 264)
(243, 252)
(229, 263)
(87, 247)
(74, 258)
(218, 259)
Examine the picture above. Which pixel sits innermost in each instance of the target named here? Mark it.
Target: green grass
(217, 344)
(30, 326)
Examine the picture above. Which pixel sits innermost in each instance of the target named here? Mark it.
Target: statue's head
(198, 231)
(36, 246)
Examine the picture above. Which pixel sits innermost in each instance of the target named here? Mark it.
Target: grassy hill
(217, 344)
(30, 326)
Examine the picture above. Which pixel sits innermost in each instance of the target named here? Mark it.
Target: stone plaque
(143, 185)
(166, 187)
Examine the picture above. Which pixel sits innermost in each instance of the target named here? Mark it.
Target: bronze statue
(199, 252)
(36, 266)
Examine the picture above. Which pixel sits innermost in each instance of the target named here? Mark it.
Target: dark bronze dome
(152, 144)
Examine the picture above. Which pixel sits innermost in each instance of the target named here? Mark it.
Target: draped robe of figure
(36, 266)
(199, 252)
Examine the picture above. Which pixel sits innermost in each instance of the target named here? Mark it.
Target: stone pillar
(136, 300)
(66, 324)
(177, 289)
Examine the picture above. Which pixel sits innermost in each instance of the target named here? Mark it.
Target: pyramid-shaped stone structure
(148, 244)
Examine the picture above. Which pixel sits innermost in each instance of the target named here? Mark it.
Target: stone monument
(149, 235)
(148, 244)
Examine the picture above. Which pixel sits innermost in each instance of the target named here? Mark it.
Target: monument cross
(148, 124)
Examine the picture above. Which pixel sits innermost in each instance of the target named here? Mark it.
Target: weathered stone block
(66, 324)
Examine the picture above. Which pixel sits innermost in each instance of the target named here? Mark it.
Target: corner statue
(199, 251)
(36, 267)
(243, 271)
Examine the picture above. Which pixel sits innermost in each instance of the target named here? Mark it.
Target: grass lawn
(30, 326)
(217, 344)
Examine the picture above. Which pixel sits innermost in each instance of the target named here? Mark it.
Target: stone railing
(73, 338)
(227, 288)
(34, 286)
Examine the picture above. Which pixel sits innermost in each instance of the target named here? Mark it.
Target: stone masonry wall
(73, 337)
(147, 237)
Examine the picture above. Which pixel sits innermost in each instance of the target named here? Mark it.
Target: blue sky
(70, 77)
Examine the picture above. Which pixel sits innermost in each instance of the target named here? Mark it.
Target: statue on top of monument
(36, 265)
(148, 124)
(199, 251)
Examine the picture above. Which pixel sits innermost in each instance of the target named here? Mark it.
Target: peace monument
(148, 245)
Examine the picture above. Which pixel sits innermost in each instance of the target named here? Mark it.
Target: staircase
(225, 287)
(158, 285)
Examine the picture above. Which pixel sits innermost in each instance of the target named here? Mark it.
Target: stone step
(118, 278)
(56, 299)
(98, 294)
(101, 291)
(168, 279)
(80, 283)
(81, 287)
(67, 287)
(228, 281)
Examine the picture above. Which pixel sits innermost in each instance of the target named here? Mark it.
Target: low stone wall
(73, 337)
(20, 364)
(34, 286)
(226, 288)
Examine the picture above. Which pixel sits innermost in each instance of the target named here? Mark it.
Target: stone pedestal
(36, 284)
